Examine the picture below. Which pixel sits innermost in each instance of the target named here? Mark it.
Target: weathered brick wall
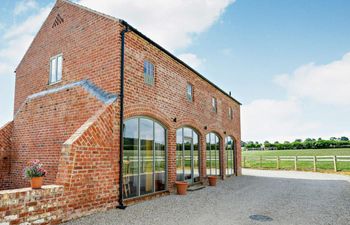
(167, 100)
(5, 151)
(88, 167)
(27, 206)
(89, 43)
(43, 124)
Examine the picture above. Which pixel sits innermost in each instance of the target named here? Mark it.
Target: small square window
(189, 92)
(230, 113)
(148, 71)
(214, 104)
(56, 69)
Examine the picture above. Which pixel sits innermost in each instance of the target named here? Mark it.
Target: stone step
(195, 187)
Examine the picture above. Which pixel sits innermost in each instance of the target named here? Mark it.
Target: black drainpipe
(121, 123)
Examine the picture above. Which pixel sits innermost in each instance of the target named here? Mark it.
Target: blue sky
(286, 61)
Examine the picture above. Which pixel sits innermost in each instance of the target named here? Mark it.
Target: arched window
(213, 154)
(144, 159)
(187, 155)
(230, 156)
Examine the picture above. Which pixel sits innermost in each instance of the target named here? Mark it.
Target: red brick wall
(88, 167)
(167, 100)
(43, 124)
(5, 150)
(90, 46)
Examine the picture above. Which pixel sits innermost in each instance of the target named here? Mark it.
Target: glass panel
(179, 158)
(131, 159)
(195, 157)
(59, 68)
(188, 158)
(53, 67)
(189, 92)
(188, 132)
(146, 156)
(208, 155)
(230, 156)
(160, 157)
(217, 155)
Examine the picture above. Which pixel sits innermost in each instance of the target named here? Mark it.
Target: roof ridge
(92, 10)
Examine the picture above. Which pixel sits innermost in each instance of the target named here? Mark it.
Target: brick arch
(143, 110)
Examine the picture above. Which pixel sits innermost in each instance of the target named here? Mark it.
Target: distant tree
(333, 139)
(298, 140)
(308, 140)
(344, 139)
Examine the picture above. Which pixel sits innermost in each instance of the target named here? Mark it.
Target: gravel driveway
(274, 197)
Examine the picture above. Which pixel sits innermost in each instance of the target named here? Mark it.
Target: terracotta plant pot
(212, 180)
(181, 187)
(36, 182)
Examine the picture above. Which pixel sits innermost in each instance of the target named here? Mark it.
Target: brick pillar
(222, 157)
(171, 158)
(203, 151)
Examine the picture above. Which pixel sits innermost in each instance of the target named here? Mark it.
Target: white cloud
(18, 38)
(192, 60)
(326, 84)
(24, 6)
(172, 24)
(15, 42)
(29, 26)
(268, 119)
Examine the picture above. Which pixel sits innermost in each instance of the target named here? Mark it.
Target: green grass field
(253, 159)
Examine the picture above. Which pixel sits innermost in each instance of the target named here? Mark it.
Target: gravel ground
(285, 197)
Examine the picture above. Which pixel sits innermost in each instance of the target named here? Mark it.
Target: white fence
(296, 159)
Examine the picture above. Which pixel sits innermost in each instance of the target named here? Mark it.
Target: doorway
(187, 155)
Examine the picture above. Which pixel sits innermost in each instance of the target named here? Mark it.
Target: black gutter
(121, 124)
(175, 58)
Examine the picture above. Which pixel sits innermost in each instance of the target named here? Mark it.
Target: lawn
(252, 159)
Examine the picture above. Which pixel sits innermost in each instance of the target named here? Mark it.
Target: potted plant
(35, 172)
(212, 180)
(181, 187)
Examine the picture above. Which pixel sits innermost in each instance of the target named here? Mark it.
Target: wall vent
(58, 21)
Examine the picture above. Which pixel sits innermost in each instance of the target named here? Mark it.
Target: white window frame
(189, 92)
(214, 104)
(58, 73)
(148, 72)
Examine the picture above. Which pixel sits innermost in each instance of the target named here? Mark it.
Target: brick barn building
(87, 73)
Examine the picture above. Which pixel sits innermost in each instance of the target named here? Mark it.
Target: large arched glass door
(230, 156)
(144, 160)
(187, 155)
(213, 155)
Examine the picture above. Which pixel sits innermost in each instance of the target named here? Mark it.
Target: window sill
(54, 83)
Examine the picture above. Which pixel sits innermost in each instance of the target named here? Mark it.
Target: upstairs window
(56, 69)
(230, 113)
(214, 105)
(189, 92)
(148, 71)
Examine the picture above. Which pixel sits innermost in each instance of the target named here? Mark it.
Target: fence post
(315, 169)
(278, 162)
(244, 158)
(261, 161)
(295, 162)
(335, 163)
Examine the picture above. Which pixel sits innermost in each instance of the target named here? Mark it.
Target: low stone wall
(5, 148)
(27, 206)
